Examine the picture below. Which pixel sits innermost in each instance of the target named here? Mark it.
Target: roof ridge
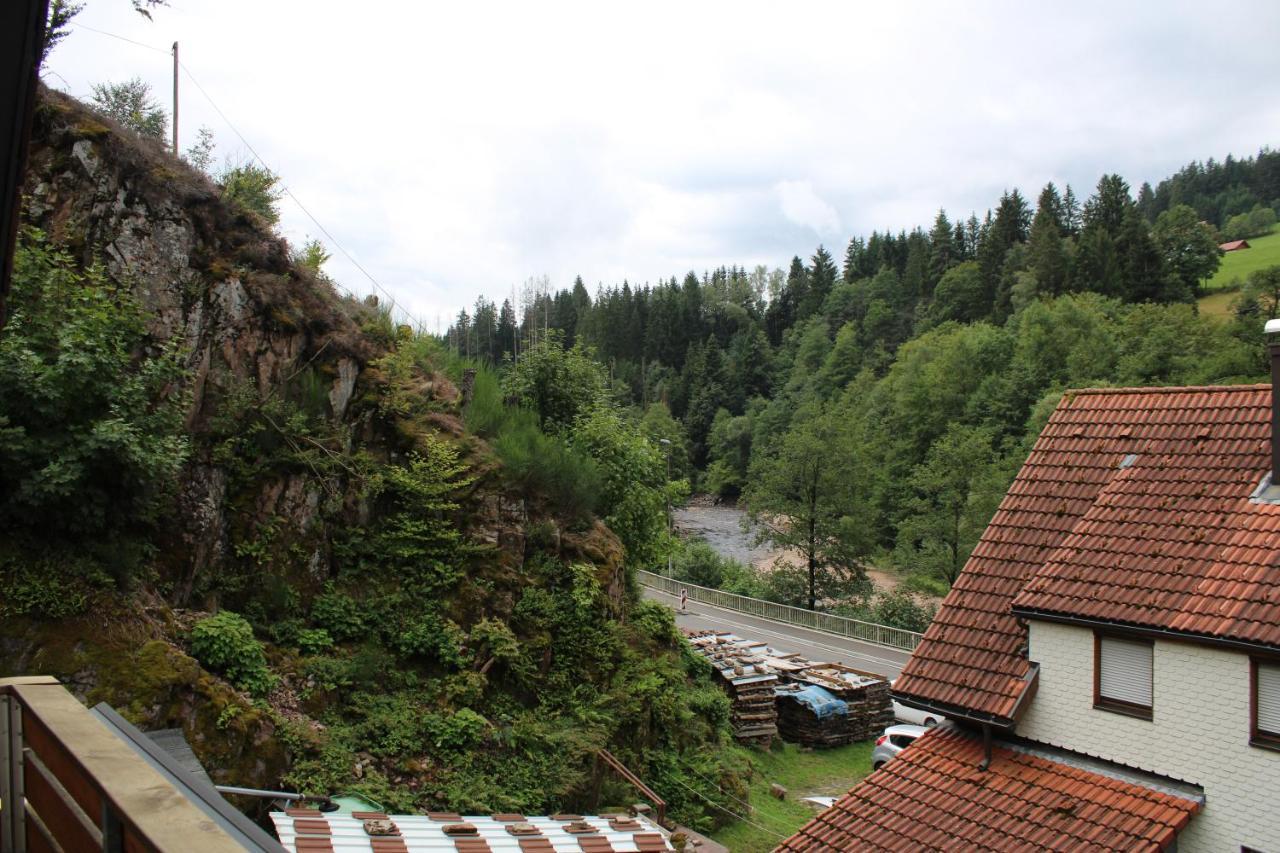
(1170, 389)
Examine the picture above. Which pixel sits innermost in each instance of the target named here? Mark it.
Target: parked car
(915, 716)
(894, 740)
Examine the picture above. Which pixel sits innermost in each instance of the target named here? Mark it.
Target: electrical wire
(81, 26)
(718, 788)
(377, 285)
(719, 807)
(395, 304)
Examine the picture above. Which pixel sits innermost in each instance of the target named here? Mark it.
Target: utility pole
(175, 99)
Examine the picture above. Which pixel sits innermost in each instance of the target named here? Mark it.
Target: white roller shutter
(1268, 702)
(1124, 671)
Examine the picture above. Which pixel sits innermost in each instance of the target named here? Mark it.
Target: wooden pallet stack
(781, 693)
(866, 695)
(831, 705)
(748, 680)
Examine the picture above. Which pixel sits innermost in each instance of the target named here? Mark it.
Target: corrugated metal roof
(311, 830)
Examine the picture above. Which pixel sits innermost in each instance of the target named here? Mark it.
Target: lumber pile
(781, 693)
(832, 705)
(748, 680)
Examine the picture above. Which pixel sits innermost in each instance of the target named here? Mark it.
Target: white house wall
(1199, 731)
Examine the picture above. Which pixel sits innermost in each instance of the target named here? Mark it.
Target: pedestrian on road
(684, 600)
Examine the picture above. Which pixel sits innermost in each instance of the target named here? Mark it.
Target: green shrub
(48, 587)
(486, 413)
(91, 430)
(313, 641)
(433, 638)
(539, 464)
(224, 643)
(339, 615)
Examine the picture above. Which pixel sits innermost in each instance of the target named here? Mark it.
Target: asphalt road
(815, 645)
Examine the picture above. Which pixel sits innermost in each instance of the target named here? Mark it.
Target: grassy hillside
(1262, 252)
(822, 773)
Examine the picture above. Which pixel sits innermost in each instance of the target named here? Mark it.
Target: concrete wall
(1199, 731)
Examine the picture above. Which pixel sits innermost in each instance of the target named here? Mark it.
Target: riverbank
(728, 530)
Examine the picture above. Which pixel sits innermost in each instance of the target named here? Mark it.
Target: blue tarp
(821, 702)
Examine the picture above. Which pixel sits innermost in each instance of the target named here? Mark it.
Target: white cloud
(803, 206)
(460, 148)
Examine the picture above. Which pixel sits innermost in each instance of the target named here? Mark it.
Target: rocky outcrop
(212, 280)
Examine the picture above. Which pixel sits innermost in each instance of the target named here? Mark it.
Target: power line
(716, 805)
(297, 201)
(718, 787)
(395, 305)
(81, 26)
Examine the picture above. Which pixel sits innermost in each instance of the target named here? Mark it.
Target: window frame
(1259, 737)
(1120, 706)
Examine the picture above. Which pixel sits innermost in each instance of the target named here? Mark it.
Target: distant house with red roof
(1234, 245)
(1110, 655)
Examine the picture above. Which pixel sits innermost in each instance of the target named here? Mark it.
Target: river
(722, 528)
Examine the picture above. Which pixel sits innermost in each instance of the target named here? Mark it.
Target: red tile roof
(1168, 541)
(1233, 245)
(933, 797)
(1173, 541)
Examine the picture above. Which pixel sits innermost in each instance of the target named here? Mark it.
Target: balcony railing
(869, 632)
(68, 782)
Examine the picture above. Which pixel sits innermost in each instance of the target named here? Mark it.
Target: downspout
(986, 748)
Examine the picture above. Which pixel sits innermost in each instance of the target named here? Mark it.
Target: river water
(722, 528)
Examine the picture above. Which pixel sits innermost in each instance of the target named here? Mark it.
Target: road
(815, 645)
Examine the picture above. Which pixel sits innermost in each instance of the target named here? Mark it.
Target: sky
(458, 149)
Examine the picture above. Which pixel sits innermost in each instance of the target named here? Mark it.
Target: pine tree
(1070, 213)
(1141, 265)
(942, 250)
(1046, 255)
(853, 259)
(821, 278)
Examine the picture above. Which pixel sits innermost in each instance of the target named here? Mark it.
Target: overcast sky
(459, 148)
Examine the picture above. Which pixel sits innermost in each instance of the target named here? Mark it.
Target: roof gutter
(1143, 631)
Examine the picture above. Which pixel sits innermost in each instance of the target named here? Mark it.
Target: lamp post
(666, 492)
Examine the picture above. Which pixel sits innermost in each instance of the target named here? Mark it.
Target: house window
(1264, 728)
(1122, 675)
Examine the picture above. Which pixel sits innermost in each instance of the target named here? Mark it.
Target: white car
(916, 717)
(894, 740)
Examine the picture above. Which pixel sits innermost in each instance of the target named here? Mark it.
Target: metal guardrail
(869, 632)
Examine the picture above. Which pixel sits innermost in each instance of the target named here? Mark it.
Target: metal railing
(869, 632)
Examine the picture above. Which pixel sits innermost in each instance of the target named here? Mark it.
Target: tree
(942, 249)
(558, 384)
(91, 437)
(955, 497)
(132, 104)
(55, 30)
(255, 188)
(822, 277)
(200, 155)
(806, 498)
(313, 256)
(1188, 247)
(1045, 253)
(959, 295)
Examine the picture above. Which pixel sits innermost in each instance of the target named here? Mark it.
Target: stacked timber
(748, 680)
(831, 705)
(781, 693)
(811, 716)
